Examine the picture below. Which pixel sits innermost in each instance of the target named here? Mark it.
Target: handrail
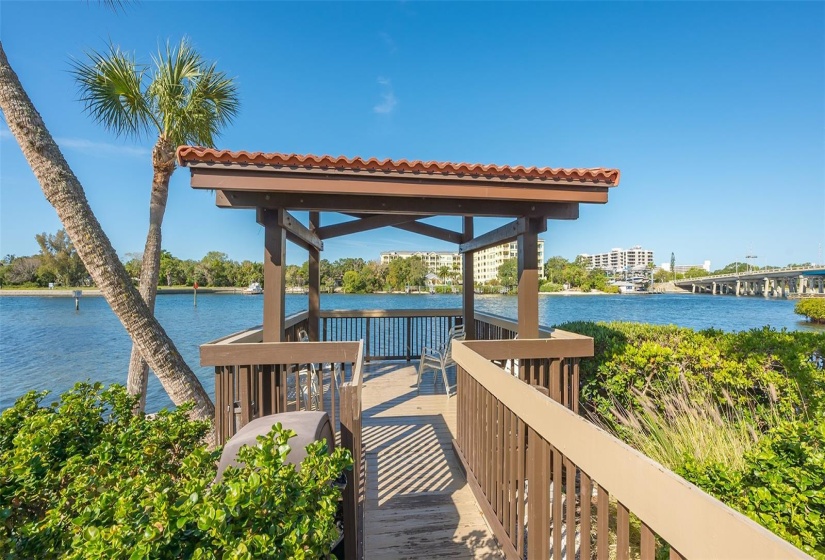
(494, 406)
(581, 347)
(351, 438)
(364, 313)
(227, 354)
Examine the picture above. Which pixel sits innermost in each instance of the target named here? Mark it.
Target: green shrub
(812, 308)
(781, 486)
(85, 478)
(551, 287)
(761, 368)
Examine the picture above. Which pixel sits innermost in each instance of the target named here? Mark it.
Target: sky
(713, 112)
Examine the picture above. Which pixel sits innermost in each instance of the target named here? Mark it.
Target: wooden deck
(418, 504)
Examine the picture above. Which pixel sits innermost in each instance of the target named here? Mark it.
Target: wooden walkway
(418, 504)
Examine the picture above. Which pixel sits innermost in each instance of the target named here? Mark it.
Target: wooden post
(274, 275)
(468, 296)
(528, 280)
(314, 307)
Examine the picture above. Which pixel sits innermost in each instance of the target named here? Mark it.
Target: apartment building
(620, 259)
(486, 261)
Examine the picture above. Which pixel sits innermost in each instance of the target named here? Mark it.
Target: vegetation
(742, 415)
(65, 193)
(86, 478)
(812, 308)
(183, 100)
(508, 273)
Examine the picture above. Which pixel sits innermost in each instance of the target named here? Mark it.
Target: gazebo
(514, 417)
(388, 193)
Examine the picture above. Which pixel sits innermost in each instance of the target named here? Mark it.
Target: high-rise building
(619, 259)
(486, 262)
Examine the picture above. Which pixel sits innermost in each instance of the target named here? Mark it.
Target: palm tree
(184, 100)
(443, 272)
(65, 193)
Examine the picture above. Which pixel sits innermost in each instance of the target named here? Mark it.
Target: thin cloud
(101, 148)
(388, 41)
(388, 99)
(90, 147)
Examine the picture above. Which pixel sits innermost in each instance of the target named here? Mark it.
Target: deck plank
(418, 504)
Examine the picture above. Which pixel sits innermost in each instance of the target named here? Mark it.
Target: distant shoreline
(45, 292)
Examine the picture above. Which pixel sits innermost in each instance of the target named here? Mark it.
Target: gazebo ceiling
(369, 186)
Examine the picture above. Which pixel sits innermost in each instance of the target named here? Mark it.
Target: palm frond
(111, 89)
(192, 99)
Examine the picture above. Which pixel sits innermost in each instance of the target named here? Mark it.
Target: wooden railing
(552, 484)
(394, 334)
(254, 379)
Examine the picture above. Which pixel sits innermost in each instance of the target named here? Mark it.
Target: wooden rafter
(415, 226)
(364, 223)
(504, 234)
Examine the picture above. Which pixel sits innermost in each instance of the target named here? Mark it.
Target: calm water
(45, 344)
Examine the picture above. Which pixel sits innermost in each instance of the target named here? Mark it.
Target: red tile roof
(193, 154)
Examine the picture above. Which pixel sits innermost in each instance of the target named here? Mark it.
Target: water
(45, 344)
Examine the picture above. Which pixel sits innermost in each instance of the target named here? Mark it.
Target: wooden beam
(365, 223)
(421, 229)
(314, 282)
(535, 191)
(528, 277)
(297, 232)
(387, 205)
(468, 281)
(431, 231)
(504, 234)
(274, 276)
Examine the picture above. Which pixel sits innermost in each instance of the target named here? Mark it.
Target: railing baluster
(622, 532)
(648, 543)
(586, 508)
(602, 520)
(570, 503)
(557, 509)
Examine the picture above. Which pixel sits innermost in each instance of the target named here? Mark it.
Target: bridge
(775, 282)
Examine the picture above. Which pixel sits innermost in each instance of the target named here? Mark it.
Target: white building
(619, 259)
(682, 268)
(486, 262)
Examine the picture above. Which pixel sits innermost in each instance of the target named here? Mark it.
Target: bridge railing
(751, 273)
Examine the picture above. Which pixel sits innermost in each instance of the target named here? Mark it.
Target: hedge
(85, 478)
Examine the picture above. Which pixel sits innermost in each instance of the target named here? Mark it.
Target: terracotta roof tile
(194, 154)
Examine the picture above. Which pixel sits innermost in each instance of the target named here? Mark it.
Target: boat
(254, 289)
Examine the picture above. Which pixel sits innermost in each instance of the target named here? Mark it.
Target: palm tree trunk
(65, 193)
(163, 163)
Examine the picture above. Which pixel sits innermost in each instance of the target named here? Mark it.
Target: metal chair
(440, 359)
(311, 396)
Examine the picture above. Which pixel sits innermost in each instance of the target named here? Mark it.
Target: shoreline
(95, 292)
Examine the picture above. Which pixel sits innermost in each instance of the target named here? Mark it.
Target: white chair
(311, 396)
(440, 359)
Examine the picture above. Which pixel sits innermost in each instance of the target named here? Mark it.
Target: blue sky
(714, 112)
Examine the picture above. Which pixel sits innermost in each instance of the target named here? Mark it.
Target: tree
(65, 193)
(22, 270)
(59, 258)
(554, 267)
(673, 265)
(353, 283)
(508, 273)
(443, 272)
(185, 100)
